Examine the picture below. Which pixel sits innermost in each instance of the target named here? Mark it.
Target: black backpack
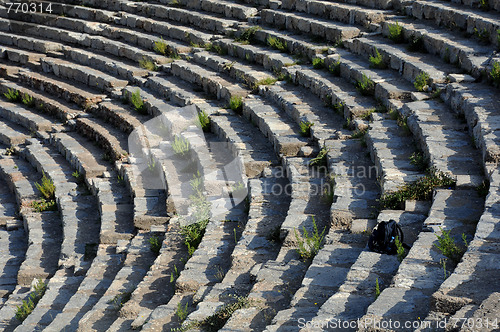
(383, 238)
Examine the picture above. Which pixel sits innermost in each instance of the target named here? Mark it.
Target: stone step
(119, 115)
(69, 91)
(309, 24)
(166, 29)
(111, 139)
(477, 103)
(494, 4)
(78, 210)
(397, 58)
(97, 280)
(228, 126)
(293, 42)
(456, 16)
(355, 181)
(387, 84)
(12, 134)
(335, 92)
(448, 45)
(390, 149)
(155, 288)
(421, 273)
(25, 117)
(29, 43)
(59, 290)
(199, 19)
(267, 57)
(20, 56)
(444, 141)
(251, 76)
(8, 311)
(87, 33)
(226, 8)
(276, 125)
(210, 82)
(44, 230)
(255, 246)
(44, 101)
(139, 258)
(327, 272)
(352, 14)
(114, 66)
(87, 76)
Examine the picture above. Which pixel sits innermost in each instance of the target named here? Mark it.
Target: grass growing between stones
(396, 33)
(377, 289)
(365, 86)
(236, 104)
(377, 61)
(155, 244)
(277, 44)
(137, 102)
(28, 100)
(47, 190)
(248, 35)
(400, 250)
(120, 299)
(204, 121)
(449, 247)
(320, 159)
(27, 306)
(309, 244)
(182, 311)
(305, 128)
(334, 67)
(147, 64)
(161, 47)
(181, 146)
(12, 95)
(318, 63)
(416, 44)
(419, 190)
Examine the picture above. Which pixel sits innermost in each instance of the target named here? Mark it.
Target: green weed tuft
(396, 33)
(181, 146)
(28, 100)
(204, 121)
(248, 36)
(28, 306)
(47, 188)
(155, 244)
(318, 63)
(12, 95)
(236, 104)
(449, 248)
(305, 128)
(366, 86)
(422, 81)
(377, 61)
(320, 159)
(277, 44)
(309, 244)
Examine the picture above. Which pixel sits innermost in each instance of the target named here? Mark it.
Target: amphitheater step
(25, 117)
(137, 263)
(95, 283)
(20, 56)
(91, 77)
(280, 130)
(156, 287)
(326, 273)
(69, 91)
(344, 12)
(112, 140)
(421, 272)
(226, 8)
(449, 46)
(452, 15)
(397, 58)
(43, 101)
(391, 148)
(12, 134)
(44, 229)
(303, 23)
(78, 211)
(209, 81)
(258, 244)
(356, 191)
